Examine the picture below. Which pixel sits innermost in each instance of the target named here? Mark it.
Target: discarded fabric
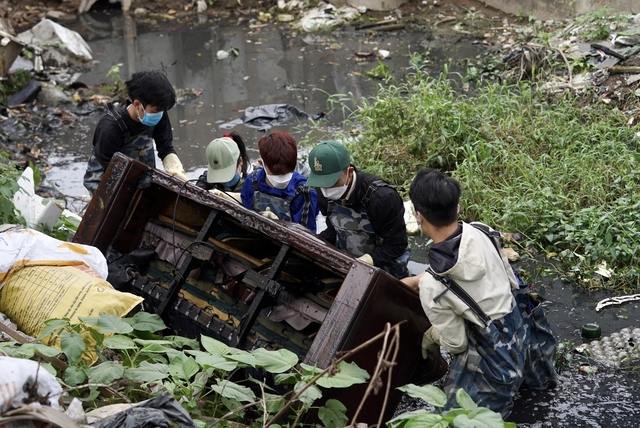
(269, 115)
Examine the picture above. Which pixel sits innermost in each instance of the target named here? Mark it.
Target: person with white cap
(228, 164)
(277, 190)
(365, 215)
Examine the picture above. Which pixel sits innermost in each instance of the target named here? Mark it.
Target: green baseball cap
(222, 155)
(327, 160)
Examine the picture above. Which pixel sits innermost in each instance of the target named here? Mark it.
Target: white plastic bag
(20, 248)
(46, 32)
(18, 379)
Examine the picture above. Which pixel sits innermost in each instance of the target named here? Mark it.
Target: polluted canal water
(275, 67)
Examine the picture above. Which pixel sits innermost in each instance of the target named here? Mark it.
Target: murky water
(275, 66)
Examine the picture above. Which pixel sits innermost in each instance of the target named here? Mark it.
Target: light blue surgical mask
(233, 181)
(150, 119)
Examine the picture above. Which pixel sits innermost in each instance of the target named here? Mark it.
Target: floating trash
(618, 350)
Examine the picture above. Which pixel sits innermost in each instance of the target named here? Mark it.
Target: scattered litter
(36, 209)
(410, 221)
(22, 379)
(48, 35)
(269, 115)
(588, 369)
(616, 350)
(160, 411)
(617, 300)
(326, 18)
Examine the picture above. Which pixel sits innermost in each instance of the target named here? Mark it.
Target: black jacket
(386, 214)
(108, 138)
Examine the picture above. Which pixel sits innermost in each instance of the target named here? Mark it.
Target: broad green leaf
(274, 403)
(181, 342)
(310, 371)
(232, 390)
(108, 323)
(215, 361)
(90, 320)
(93, 394)
(348, 374)
(427, 421)
(214, 346)
(30, 348)
(275, 361)
(48, 367)
(51, 326)
(147, 372)
(241, 357)
(310, 395)
(232, 404)
(464, 400)
(479, 418)
(145, 342)
(183, 367)
(118, 341)
(429, 393)
(333, 414)
(72, 345)
(96, 336)
(74, 376)
(144, 321)
(406, 416)
(156, 348)
(106, 372)
(286, 378)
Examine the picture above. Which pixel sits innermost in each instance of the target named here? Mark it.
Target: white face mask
(279, 181)
(334, 193)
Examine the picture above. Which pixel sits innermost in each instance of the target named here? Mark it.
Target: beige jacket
(480, 271)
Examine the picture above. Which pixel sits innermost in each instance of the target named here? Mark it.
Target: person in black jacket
(365, 215)
(133, 128)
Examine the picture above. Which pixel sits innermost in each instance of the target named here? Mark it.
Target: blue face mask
(233, 181)
(150, 119)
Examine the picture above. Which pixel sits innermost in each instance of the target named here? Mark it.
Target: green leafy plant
(556, 172)
(202, 376)
(114, 73)
(467, 415)
(381, 71)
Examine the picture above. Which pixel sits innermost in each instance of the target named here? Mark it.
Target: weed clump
(561, 174)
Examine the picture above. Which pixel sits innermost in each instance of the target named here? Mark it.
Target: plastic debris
(617, 300)
(267, 116)
(24, 381)
(47, 34)
(36, 209)
(326, 18)
(161, 411)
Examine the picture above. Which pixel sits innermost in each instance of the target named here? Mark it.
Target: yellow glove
(230, 196)
(269, 214)
(173, 166)
(430, 343)
(366, 258)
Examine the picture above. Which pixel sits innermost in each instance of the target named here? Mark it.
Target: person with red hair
(277, 190)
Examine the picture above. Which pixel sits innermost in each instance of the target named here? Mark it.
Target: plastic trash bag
(162, 411)
(20, 378)
(47, 32)
(267, 116)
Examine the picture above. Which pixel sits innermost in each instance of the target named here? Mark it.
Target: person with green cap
(365, 215)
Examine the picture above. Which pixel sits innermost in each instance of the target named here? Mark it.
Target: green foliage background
(563, 174)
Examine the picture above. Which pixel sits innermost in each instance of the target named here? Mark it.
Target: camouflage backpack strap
(111, 110)
(366, 199)
(306, 207)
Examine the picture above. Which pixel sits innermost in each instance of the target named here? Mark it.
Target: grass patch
(563, 175)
